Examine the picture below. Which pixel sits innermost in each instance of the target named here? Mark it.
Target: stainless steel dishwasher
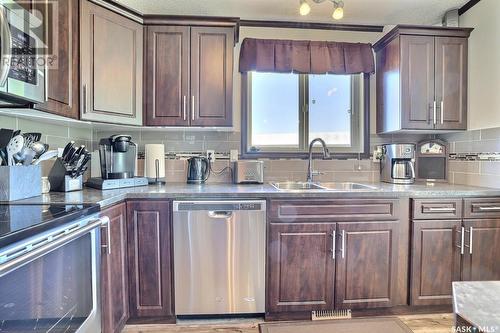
(219, 257)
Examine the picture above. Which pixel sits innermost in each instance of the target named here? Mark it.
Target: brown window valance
(305, 57)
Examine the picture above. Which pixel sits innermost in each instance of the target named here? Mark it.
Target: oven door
(22, 66)
(54, 288)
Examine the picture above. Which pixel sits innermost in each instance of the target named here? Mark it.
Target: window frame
(337, 153)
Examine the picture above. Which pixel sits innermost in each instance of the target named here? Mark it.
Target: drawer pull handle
(490, 208)
(442, 209)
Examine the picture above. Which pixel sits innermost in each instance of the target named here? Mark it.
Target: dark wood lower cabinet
(482, 252)
(150, 260)
(300, 267)
(435, 261)
(366, 265)
(114, 275)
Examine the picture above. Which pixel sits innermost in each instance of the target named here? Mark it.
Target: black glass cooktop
(22, 221)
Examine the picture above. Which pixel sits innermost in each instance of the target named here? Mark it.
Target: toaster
(248, 172)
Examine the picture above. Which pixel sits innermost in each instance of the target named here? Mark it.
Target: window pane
(330, 109)
(275, 110)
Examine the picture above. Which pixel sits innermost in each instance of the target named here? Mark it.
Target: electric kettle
(198, 170)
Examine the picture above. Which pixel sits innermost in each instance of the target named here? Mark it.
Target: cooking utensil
(33, 136)
(16, 145)
(46, 156)
(5, 136)
(39, 148)
(28, 156)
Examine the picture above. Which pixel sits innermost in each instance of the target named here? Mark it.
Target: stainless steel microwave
(22, 62)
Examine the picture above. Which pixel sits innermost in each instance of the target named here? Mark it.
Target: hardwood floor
(432, 323)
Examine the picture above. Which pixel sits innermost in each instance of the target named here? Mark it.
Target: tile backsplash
(472, 170)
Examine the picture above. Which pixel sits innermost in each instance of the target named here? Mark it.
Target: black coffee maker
(198, 170)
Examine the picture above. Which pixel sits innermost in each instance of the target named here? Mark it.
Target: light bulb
(304, 8)
(338, 13)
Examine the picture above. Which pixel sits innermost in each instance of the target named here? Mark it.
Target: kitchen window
(286, 111)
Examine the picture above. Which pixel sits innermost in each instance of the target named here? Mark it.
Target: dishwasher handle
(220, 214)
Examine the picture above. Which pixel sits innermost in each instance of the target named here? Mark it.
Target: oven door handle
(57, 242)
(5, 47)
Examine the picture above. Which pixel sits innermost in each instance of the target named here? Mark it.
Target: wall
(484, 64)
(471, 166)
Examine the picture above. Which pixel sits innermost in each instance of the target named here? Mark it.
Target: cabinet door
(300, 267)
(111, 66)
(417, 82)
(435, 261)
(482, 250)
(114, 273)
(366, 268)
(451, 83)
(150, 262)
(211, 76)
(62, 37)
(167, 76)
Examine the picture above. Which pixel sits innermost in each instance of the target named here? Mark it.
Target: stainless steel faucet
(326, 154)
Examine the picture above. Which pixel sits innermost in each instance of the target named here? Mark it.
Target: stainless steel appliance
(198, 170)
(50, 282)
(432, 161)
(118, 156)
(22, 68)
(248, 172)
(219, 257)
(397, 163)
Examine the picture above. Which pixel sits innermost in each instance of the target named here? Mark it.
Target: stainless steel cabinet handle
(334, 241)
(192, 107)
(184, 107)
(343, 244)
(84, 98)
(442, 112)
(107, 246)
(435, 112)
(490, 208)
(462, 239)
(442, 209)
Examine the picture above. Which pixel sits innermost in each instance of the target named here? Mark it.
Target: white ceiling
(379, 12)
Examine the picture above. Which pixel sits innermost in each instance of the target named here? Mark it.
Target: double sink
(308, 186)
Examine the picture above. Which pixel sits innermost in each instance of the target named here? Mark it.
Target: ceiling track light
(338, 8)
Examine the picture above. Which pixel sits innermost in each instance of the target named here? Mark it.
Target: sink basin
(305, 186)
(347, 186)
(297, 186)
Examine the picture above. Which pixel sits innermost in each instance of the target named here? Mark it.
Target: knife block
(60, 181)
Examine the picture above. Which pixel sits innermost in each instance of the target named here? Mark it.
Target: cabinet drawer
(334, 210)
(424, 209)
(482, 208)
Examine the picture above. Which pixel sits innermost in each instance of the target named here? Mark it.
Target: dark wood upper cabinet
(189, 76)
(301, 268)
(417, 82)
(211, 76)
(62, 90)
(482, 250)
(435, 261)
(451, 82)
(366, 266)
(422, 79)
(167, 98)
(114, 275)
(111, 66)
(150, 259)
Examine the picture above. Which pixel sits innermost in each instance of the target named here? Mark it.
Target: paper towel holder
(157, 180)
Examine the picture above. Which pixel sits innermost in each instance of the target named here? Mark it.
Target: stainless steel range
(49, 282)
(219, 249)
